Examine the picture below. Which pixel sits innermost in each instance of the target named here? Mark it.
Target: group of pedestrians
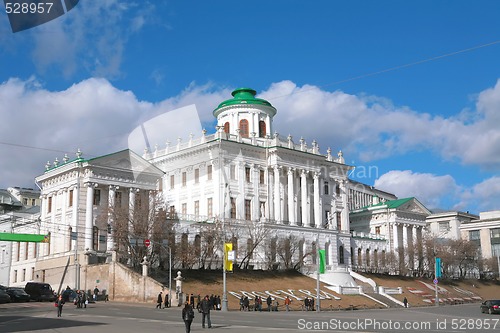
(162, 300)
(204, 307)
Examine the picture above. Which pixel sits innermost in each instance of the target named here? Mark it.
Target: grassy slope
(210, 282)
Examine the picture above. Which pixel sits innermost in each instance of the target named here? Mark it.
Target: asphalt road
(123, 318)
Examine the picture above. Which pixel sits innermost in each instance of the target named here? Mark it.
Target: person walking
(188, 316)
(166, 301)
(96, 292)
(269, 301)
(205, 312)
(159, 300)
(287, 303)
(59, 304)
(405, 302)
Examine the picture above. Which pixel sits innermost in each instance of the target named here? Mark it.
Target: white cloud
(427, 188)
(484, 195)
(91, 115)
(371, 128)
(88, 38)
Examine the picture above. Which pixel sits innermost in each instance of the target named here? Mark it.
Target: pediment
(125, 161)
(414, 206)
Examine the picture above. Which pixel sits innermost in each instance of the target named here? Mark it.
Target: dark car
(4, 297)
(18, 295)
(490, 306)
(40, 291)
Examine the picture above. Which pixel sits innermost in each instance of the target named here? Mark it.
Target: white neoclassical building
(245, 177)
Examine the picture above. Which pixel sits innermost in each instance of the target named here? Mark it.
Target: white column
(291, 195)
(269, 194)
(395, 238)
(111, 206)
(277, 199)
(303, 194)
(240, 200)
(89, 221)
(254, 174)
(131, 208)
(317, 208)
(405, 235)
(344, 215)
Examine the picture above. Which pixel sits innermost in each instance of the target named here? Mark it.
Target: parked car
(490, 306)
(18, 295)
(40, 291)
(4, 297)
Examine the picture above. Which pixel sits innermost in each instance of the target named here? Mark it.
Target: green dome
(244, 96)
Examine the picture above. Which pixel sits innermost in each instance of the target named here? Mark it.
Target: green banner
(322, 261)
(5, 236)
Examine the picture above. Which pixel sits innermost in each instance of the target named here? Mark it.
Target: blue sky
(409, 90)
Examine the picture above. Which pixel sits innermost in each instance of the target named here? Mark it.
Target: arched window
(197, 246)
(244, 128)
(262, 129)
(341, 255)
(359, 257)
(226, 128)
(367, 258)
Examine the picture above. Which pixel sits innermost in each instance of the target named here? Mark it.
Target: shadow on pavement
(20, 324)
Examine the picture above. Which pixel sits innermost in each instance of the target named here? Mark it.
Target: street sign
(147, 242)
(435, 281)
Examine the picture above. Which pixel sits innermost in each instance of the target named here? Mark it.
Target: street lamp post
(224, 285)
(165, 244)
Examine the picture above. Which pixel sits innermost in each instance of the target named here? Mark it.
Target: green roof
(243, 96)
(389, 204)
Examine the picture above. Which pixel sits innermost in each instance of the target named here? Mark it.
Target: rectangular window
(248, 210)
(184, 208)
(233, 208)
(444, 226)
(196, 176)
(495, 250)
(172, 182)
(23, 276)
(339, 221)
(32, 273)
(474, 235)
(247, 175)
(70, 198)
(26, 250)
(495, 233)
(118, 199)
(14, 276)
(18, 251)
(337, 189)
(25, 201)
(49, 205)
(262, 176)
(97, 197)
(171, 212)
(95, 238)
(33, 202)
(35, 250)
(209, 207)
(209, 172)
(197, 208)
(184, 179)
(377, 230)
(326, 189)
(232, 172)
